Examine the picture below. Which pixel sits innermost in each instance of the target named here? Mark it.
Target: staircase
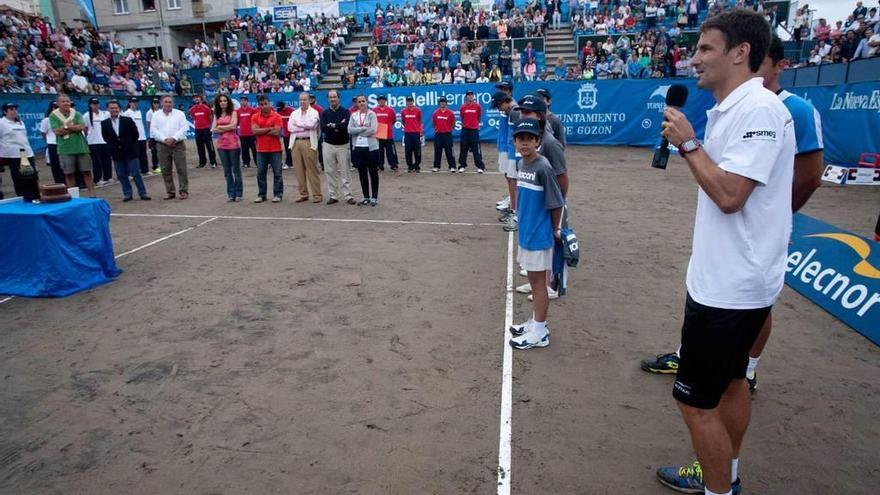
(560, 43)
(332, 80)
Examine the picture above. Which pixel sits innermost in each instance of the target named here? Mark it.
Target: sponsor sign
(283, 13)
(853, 176)
(838, 271)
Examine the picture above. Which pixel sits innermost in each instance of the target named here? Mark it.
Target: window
(120, 7)
(148, 5)
(173, 4)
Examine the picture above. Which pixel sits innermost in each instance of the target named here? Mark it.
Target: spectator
(336, 150)
(169, 128)
(228, 146)
(121, 135)
(201, 115)
(266, 125)
(304, 126)
(362, 127)
(101, 165)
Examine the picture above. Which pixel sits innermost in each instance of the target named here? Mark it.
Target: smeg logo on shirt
(760, 134)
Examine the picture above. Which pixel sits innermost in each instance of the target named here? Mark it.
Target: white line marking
(304, 219)
(169, 236)
(153, 243)
(504, 430)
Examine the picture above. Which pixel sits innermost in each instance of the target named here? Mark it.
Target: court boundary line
(309, 219)
(505, 424)
(169, 236)
(151, 243)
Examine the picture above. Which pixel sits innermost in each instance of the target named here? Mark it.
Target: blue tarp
(54, 250)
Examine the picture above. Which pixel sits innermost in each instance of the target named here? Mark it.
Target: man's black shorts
(715, 346)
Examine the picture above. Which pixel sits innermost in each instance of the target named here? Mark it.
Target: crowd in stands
(855, 38)
(432, 42)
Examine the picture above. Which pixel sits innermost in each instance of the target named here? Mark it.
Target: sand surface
(285, 356)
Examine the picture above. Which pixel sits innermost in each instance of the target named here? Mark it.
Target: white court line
(153, 243)
(305, 219)
(169, 236)
(504, 430)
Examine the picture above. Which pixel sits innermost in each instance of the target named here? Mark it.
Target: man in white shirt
(743, 220)
(134, 114)
(155, 106)
(168, 128)
(102, 166)
(14, 139)
(80, 82)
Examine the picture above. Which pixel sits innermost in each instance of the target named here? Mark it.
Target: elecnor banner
(838, 271)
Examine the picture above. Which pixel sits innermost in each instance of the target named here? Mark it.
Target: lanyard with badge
(361, 141)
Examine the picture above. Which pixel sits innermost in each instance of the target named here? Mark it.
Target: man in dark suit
(121, 135)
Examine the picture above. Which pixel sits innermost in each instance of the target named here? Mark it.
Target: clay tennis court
(312, 349)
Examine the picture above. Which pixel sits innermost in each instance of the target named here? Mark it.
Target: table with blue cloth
(55, 249)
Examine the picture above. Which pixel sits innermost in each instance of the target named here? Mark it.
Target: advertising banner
(838, 271)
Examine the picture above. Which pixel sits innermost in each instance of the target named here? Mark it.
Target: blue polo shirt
(538, 193)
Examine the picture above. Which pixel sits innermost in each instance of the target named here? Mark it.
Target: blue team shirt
(807, 123)
(538, 192)
(503, 131)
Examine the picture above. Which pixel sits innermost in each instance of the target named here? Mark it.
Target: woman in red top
(225, 124)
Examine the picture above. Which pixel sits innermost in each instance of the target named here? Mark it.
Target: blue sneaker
(689, 479)
(684, 479)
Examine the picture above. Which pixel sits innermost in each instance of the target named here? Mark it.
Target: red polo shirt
(285, 117)
(265, 142)
(201, 115)
(412, 119)
(470, 115)
(385, 115)
(444, 120)
(244, 120)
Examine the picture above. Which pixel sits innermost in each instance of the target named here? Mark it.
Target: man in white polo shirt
(743, 222)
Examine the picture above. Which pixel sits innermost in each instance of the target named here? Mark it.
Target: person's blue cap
(533, 103)
(505, 85)
(528, 126)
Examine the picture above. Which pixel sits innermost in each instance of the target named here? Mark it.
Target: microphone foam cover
(677, 95)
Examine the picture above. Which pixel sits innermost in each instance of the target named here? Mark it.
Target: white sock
(734, 466)
(710, 492)
(753, 364)
(678, 351)
(539, 326)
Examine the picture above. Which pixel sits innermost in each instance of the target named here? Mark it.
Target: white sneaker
(101, 183)
(285, 168)
(503, 204)
(435, 170)
(551, 294)
(517, 330)
(523, 273)
(524, 289)
(461, 170)
(531, 338)
(480, 171)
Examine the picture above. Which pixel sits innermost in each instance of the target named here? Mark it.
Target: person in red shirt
(245, 133)
(444, 121)
(318, 108)
(202, 115)
(284, 111)
(387, 118)
(470, 113)
(266, 125)
(412, 135)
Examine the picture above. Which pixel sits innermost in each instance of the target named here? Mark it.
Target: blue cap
(533, 103)
(528, 126)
